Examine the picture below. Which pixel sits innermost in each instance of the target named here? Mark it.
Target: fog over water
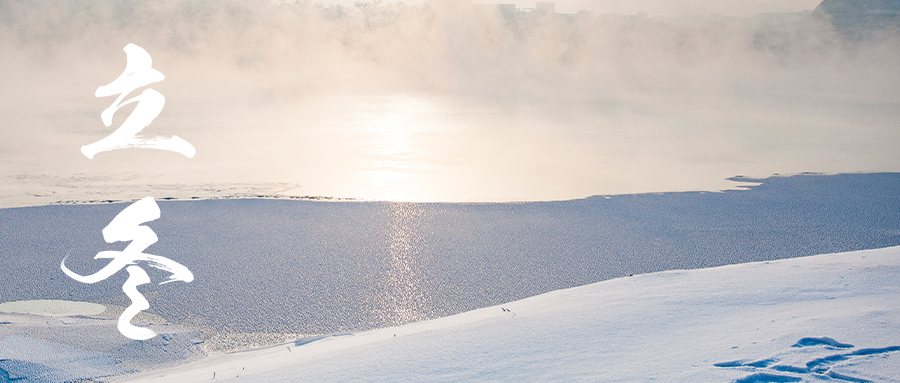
(441, 101)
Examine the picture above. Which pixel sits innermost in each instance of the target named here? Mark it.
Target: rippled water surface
(281, 266)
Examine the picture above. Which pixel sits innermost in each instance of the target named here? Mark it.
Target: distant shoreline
(266, 192)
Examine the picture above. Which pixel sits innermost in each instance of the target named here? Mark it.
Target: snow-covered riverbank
(831, 316)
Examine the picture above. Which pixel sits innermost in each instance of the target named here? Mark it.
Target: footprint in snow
(809, 358)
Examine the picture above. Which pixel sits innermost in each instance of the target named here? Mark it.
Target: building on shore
(545, 8)
(507, 10)
(510, 11)
(861, 16)
(858, 8)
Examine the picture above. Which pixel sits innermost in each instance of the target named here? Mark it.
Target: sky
(444, 102)
(663, 8)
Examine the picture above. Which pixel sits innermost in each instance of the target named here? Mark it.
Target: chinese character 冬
(126, 226)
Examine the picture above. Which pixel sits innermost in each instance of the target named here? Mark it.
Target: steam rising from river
(443, 100)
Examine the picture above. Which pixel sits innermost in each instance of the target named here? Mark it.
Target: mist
(448, 47)
(444, 100)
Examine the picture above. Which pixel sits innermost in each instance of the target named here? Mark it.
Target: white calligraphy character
(138, 73)
(126, 226)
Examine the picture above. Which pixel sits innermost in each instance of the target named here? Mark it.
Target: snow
(28, 359)
(52, 307)
(55, 349)
(831, 317)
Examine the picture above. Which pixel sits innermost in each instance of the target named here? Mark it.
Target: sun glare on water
(393, 165)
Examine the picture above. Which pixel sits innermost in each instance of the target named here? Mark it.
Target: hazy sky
(447, 102)
(666, 8)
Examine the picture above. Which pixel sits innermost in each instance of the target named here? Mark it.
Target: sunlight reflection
(403, 298)
(394, 156)
(392, 185)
